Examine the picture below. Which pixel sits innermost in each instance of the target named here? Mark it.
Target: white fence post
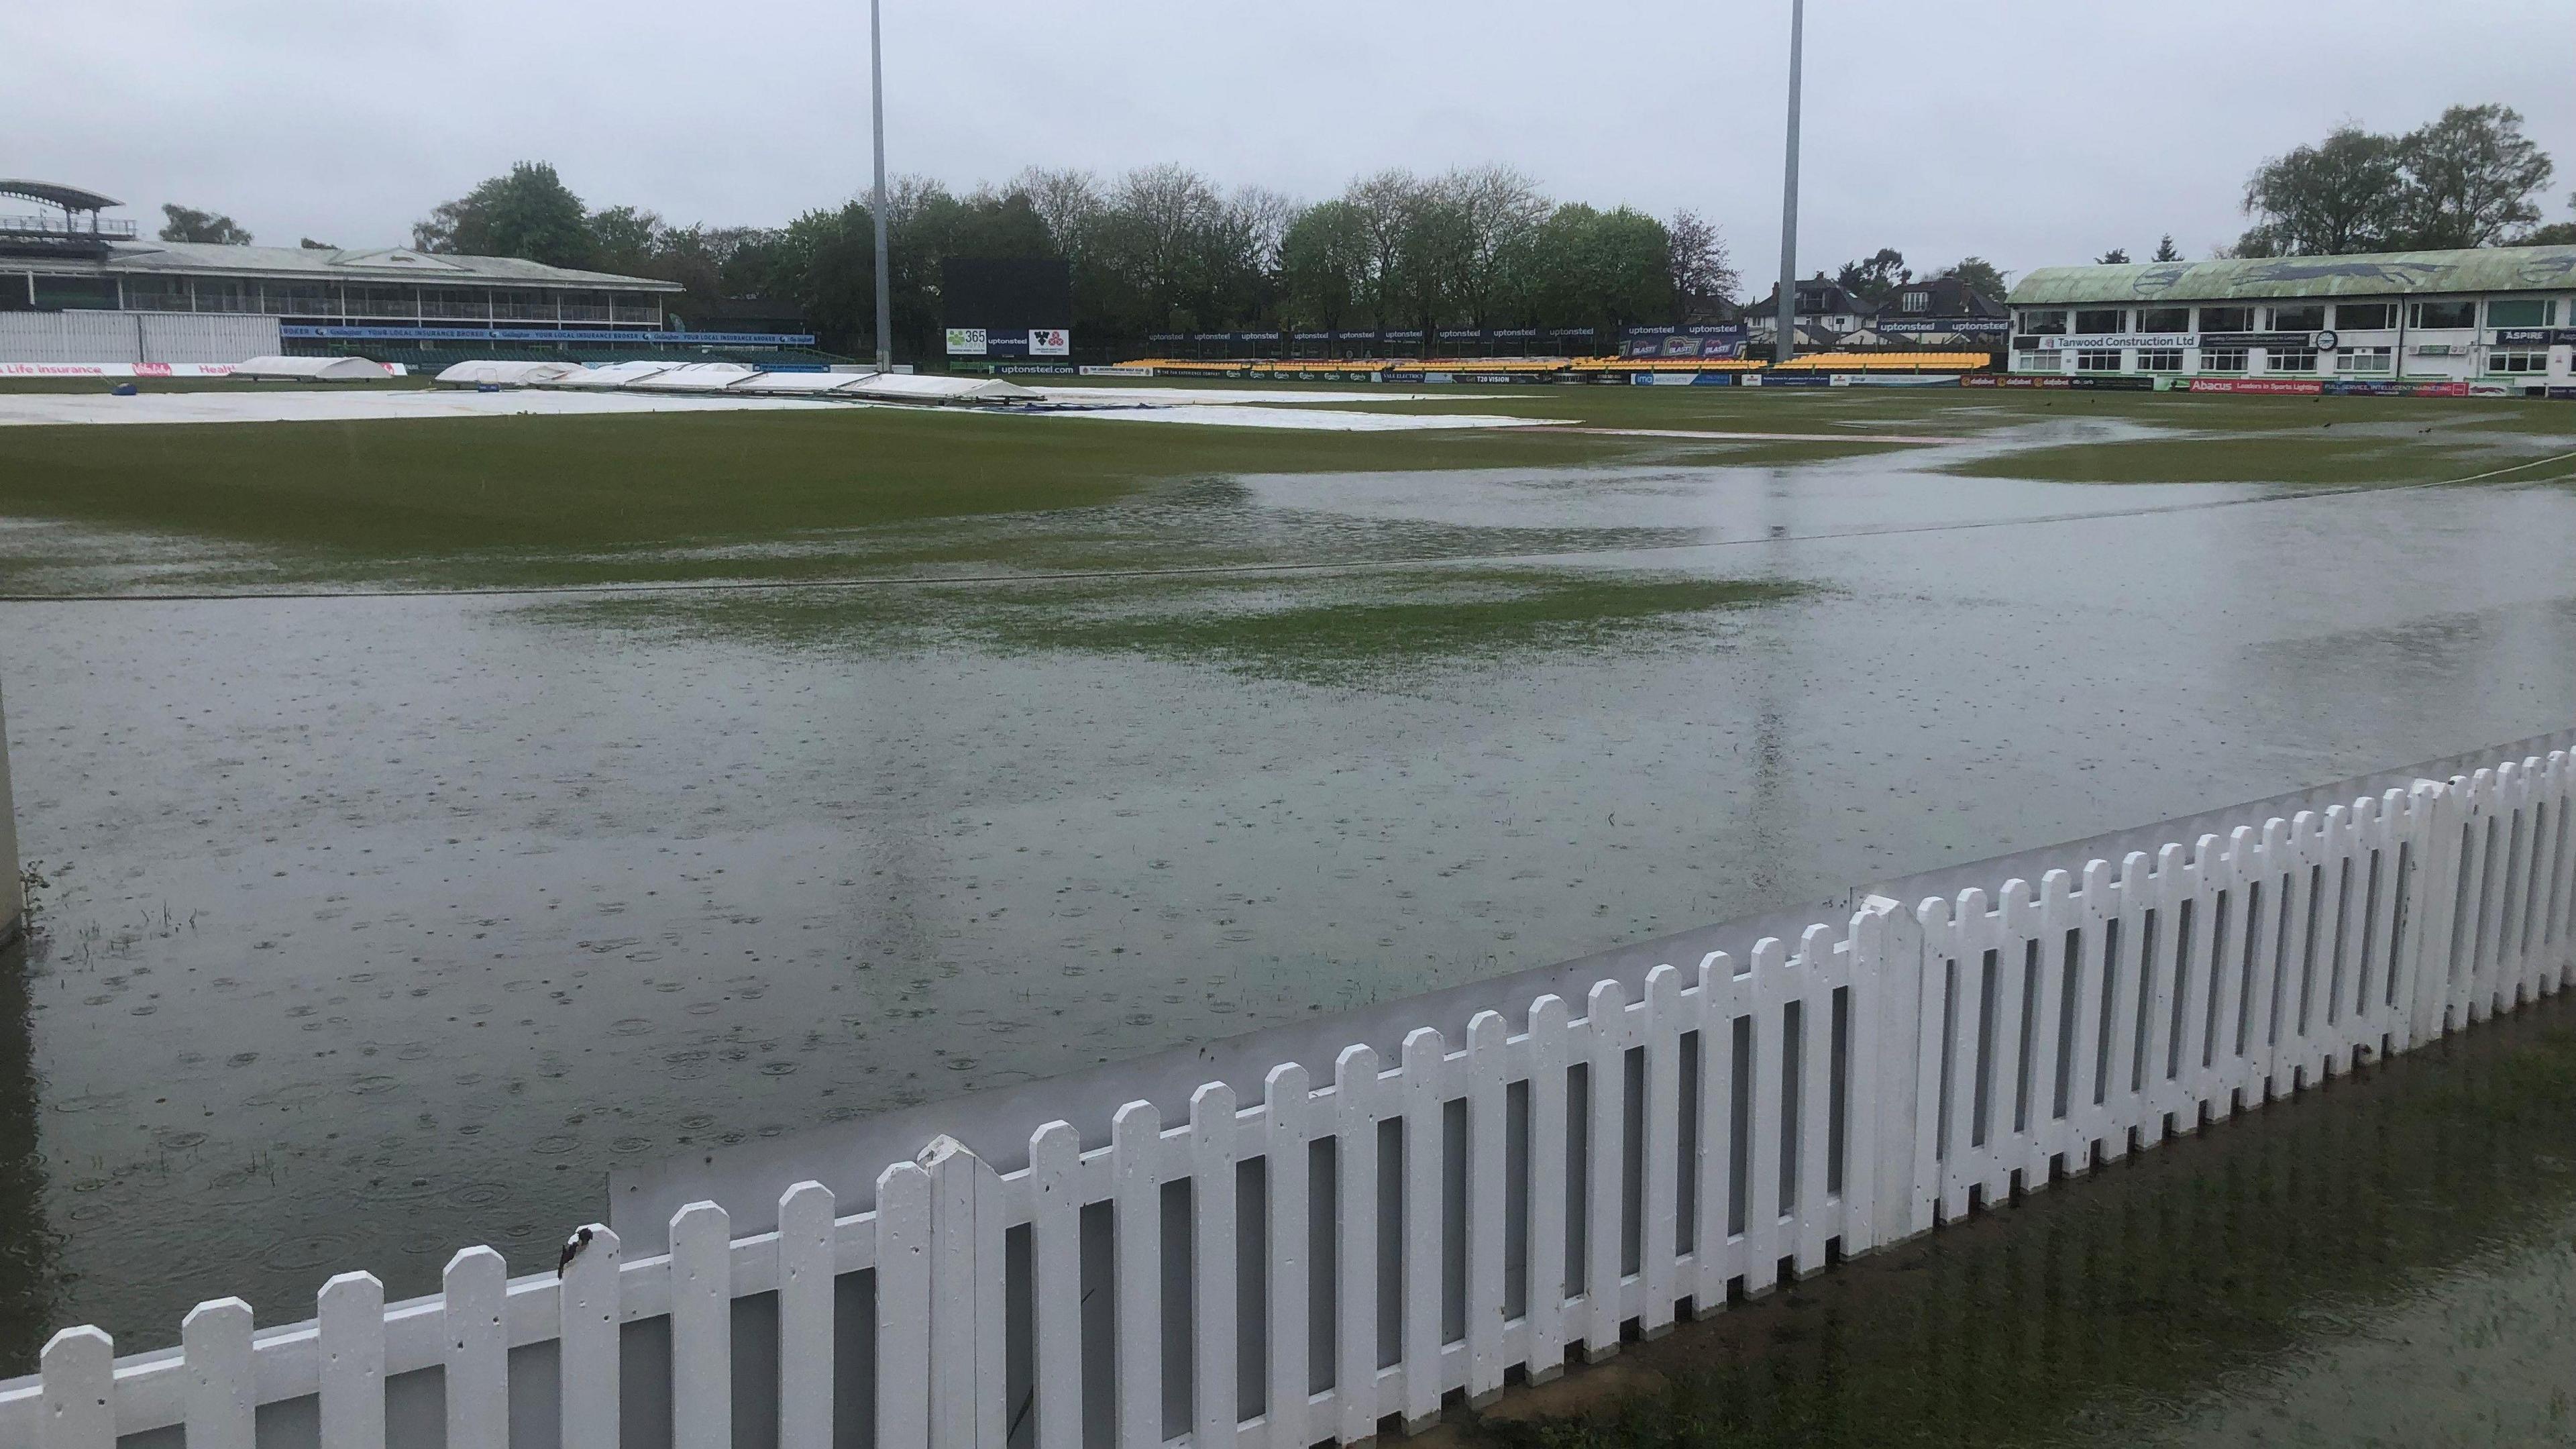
(1136, 1178)
(701, 1325)
(1213, 1289)
(350, 1330)
(1289, 1109)
(1055, 1256)
(13, 899)
(223, 1396)
(477, 1371)
(806, 1274)
(1545, 1313)
(1605, 1194)
(1355, 1100)
(1425, 1253)
(78, 1410)
(586, 1348)
(968, 1407)
(903, 1308)
(1487, 1184)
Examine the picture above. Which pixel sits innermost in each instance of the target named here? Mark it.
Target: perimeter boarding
(1360, 1238)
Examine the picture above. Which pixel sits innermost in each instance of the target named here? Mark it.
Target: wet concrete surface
(381, 926)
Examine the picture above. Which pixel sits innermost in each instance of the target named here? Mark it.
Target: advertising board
(966, 342)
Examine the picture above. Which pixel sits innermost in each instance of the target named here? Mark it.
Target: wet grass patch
(2230, 1288)
(1373, 629)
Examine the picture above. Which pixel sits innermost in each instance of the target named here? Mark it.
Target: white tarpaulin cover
(902, 387)
(507, 374)
(695, 377)
(312, 369)
(612, 374)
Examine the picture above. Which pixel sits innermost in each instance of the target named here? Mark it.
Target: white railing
(1358, 1246)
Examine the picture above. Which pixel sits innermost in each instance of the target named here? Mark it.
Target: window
(2226, 319)
(2523, 312)
(2518, 361)
(2441, 314)
(156, 294)
(2052, 322)
(2365, 316)
(2037, 361)
(2363, 359)
(1918, 301)
(2160, 359)
(2222, 359)
(2164, 319)
(2290, 359)
(2299, 317)
(2100, 319)
(2104, 360)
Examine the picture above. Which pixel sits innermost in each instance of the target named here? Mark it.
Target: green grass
(1365, 628)
(538, 501)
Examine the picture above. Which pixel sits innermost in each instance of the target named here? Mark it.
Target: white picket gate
(1343, 1251)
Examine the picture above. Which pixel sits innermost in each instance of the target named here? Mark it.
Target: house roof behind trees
(2375, 274)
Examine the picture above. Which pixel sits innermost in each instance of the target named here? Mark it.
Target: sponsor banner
(1050, 342)
(1410, 335)
(1573, 332)
(1058, 369)
(2008, 379)
(1683, 379)
(624, 336)
(2564, 394)
(966, 341)
(2492, 389)
(1462, 334)
(2279, 386)
(2112, 384)
(1898, 379)
(2536, 336)
(1312, 336)
(2321, 341)
(2364, 387)
(1787, 379)
(146, 369)
(2107, 341)
(1167, 337)
(1957, 326)
(1495, 377)
(1502, 334)
(1115, 371)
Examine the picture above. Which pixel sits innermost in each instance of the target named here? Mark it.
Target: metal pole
(877, 198)
(1785, 345)
(13, 899)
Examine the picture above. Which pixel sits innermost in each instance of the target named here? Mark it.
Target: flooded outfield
(381, 925)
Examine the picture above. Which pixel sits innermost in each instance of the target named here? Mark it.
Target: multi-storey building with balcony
(2497, 319)
(390, 303)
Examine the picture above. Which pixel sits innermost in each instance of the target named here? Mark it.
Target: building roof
(343, 264)
(70, 198)
(2478, 269)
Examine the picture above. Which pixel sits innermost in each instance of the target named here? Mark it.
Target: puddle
(358, 899)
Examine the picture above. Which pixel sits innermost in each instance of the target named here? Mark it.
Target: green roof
(2376, 274)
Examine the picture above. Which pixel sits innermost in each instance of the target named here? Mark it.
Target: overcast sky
(2031, 132)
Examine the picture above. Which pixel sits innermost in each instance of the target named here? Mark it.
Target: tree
(2556, 234)
(624, 239)
(1323, 265)
(187, 224)
(1875, 280)
(2115, 257)
(2343, 196)
(1608, 268)
(1979, 276)
(2465, 180)
(528, 213)
(310, 245)
(1384, 204)
(1703, 275)
(2165, 250)
(2470, 176)
(1500, 210)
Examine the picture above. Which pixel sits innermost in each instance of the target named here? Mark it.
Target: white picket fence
(1345, 1250)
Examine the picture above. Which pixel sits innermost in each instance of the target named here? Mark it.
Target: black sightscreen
(1010, 295)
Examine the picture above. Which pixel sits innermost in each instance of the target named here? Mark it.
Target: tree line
(2467, 179)
(1158, 249)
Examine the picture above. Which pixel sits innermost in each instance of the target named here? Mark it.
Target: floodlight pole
(1785, 346)
(877, 199)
